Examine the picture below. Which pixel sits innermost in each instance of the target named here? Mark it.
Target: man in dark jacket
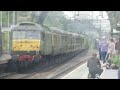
(94, 66)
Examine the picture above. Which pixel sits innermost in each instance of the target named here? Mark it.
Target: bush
(5, 39)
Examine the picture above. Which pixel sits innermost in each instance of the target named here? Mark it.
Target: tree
(42, 17)
(114, 17)
(33, 16)
(5, 18)
(56, 19)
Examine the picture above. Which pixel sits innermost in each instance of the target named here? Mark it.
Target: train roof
(82, 35)
(59, 31)
(24, 26)
(35, 26)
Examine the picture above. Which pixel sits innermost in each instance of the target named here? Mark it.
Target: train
(31, 42)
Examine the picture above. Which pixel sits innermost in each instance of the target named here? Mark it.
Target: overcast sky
(96, 14)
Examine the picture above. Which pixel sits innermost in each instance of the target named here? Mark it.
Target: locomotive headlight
(31, 45)
(36, 46)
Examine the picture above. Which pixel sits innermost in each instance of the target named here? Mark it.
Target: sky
(101, 18)
(96, 14)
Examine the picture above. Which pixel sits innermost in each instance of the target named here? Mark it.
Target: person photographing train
(94, 66)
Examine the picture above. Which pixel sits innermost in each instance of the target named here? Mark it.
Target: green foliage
(5, 18)
(19, 16)
(33, 17)
(56, 19)
(5, 39)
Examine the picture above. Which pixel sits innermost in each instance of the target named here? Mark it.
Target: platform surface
(82, 72)
(109, 74)
(79, 73)
(4, 58)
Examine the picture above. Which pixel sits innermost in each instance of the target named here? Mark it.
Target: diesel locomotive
(31, 42)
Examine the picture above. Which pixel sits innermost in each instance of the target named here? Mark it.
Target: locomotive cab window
(26, 35)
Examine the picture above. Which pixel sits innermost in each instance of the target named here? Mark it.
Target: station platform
(79, 73)
(4, 58)
(82, 73)
(109, 74)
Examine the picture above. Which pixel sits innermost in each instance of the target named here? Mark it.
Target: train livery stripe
(26, 45)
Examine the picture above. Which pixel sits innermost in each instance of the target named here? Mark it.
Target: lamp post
(8, 31)
(100, 25)
(100, 28)
(93, 21)
(92, 17)
(13, 17)
(8, 19)
(1, 19)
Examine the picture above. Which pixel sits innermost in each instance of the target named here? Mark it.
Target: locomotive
(31, 42)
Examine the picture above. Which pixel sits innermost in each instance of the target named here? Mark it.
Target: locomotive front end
(26, 42)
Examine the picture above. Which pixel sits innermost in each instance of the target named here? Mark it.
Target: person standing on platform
(117, 47)
(110, 53)
(111, 49)
(104, 48)
(99, 48)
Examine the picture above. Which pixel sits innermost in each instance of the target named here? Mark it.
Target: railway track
(69, 69)
(5, 75)
(41, 72)
(55, 75)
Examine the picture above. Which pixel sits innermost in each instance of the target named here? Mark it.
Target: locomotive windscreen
(26, 34)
